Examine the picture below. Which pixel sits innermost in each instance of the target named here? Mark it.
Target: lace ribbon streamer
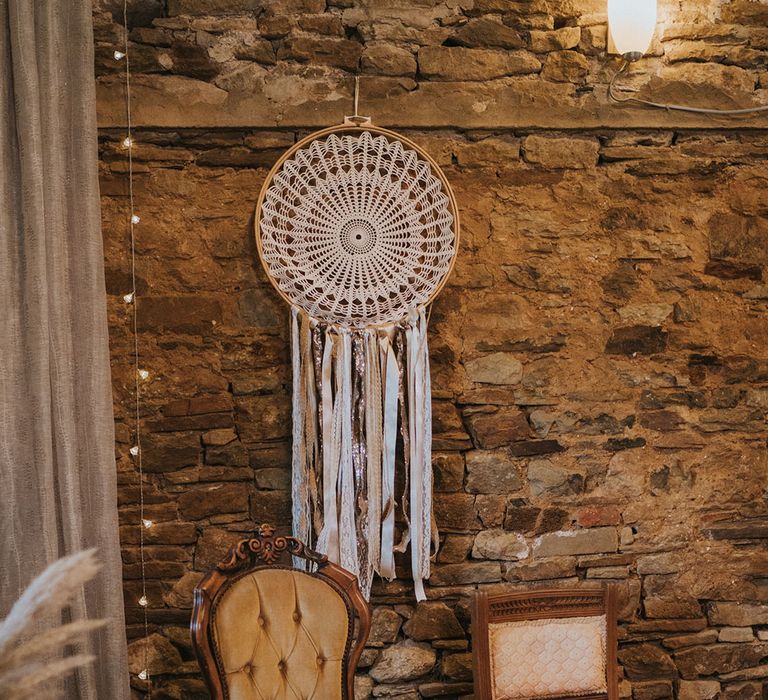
(347, 387)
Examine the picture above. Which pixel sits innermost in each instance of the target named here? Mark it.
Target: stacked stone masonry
(599, 355)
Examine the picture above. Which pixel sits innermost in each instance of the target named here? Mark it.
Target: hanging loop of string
(356, 119)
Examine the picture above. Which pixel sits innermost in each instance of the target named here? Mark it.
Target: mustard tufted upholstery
(550, 657)
(281, 635)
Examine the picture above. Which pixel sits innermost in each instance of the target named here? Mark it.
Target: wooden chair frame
(245, 557)
(537, 605)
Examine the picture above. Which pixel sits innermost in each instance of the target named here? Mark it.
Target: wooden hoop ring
(354, 128)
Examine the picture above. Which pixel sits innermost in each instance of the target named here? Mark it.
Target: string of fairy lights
(139, 375)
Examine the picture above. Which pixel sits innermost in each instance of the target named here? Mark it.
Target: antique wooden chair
(262, 628)
(551, 644)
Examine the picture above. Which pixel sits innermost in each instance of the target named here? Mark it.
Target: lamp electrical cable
(675, 107)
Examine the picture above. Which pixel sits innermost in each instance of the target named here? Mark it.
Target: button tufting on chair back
(281, 634)
(265, 630)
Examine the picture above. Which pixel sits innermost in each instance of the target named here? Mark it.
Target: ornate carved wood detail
(535, 606)
(267, 547)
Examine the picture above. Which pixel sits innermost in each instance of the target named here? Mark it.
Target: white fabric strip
(299, 485)
(311, 456)
(420, 426)
(328, 539)
(373, 441)
(415, 372)
(428, 516)
(346, 485)
(389, 443)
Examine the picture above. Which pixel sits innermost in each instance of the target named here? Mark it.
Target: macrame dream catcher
(357, 229)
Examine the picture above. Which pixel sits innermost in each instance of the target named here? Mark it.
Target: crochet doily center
(358, 237)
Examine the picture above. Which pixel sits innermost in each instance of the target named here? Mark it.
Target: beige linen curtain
(57, 469)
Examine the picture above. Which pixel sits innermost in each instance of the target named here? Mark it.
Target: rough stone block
(273, 479)
(492, 471)
(212, 547)
(646, 661)
(680, 606)
(663, 563)
(220, 437)
(520, 517)
(385, 625)
(448, 471)
(271, 507)
(499, 544)
(463, 574)
(457, 63)
(690, 640)
(547, 479)
(386, 59)
(263, 418)
(492, 428)
(160, 533)
(753, 672)
(560, 567)
(166, 453)
(718, 659)
(698, 690)
(736, 634)
(455, 511)
(738, 614)
(565, 67)
(609, 572)
(652, 690)
(341, 53)
(531, 448)
(183, 314)
(490, 509)
(736, 237)
(433, 621)
(486, 33)
(571, 542)
(212, 7)
(403, 662)
(154, 653)
(182, 594)
(636, 340)
(496, 368)
(457, 667)
(213, 499)
(561, 152)
(557, 40)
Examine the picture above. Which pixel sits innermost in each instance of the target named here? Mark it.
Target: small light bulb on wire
(144, 674)
(134, 450)
(127, 142)
(135, 218)
(128, 298)
(143, 601)
(119, 55)
(143, 374)
(147, 523)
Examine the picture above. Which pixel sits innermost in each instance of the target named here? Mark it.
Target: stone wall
(599, 355)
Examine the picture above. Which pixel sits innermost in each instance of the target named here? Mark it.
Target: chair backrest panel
(545, 644)
(281, 634)
(545, 658)
(265, 630)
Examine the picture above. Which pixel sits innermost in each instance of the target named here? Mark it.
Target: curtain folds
(57, 468)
